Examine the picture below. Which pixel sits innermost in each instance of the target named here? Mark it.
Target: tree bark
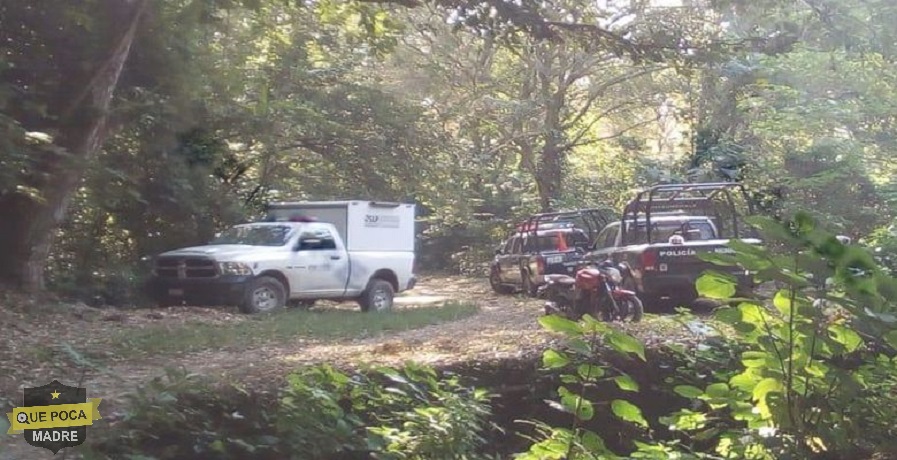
(550, 172)
(30, 224)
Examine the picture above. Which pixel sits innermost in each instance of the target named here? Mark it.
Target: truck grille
(185, 267)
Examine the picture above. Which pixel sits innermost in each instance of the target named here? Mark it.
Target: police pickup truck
(663, 232)
(303, 251)
(545, 244)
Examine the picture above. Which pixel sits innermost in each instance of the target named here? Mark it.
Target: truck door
(326, 265)
(510, 261)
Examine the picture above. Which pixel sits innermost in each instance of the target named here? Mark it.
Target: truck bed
(663, 269)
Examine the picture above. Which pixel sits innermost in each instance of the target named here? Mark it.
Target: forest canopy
(132, 126)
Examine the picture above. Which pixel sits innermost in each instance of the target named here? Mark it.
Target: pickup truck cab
(341, 250)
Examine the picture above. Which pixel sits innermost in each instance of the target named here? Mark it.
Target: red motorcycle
(594, 290)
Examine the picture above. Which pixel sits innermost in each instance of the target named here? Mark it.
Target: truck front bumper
(222, 290)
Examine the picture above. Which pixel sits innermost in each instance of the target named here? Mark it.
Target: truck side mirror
(498, 251)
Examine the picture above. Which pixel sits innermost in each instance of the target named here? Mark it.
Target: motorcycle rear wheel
(631, 309)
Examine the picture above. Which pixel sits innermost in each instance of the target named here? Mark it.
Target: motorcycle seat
(560, 279)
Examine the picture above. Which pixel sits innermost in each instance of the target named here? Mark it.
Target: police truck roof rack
(591, 220)
(702, 198)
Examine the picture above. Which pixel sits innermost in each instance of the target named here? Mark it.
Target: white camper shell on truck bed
(304, 251)
(378, 236)
(363, 225)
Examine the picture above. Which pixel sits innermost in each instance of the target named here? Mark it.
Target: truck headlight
(234, 268)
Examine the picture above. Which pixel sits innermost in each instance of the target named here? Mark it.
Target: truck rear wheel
(377, 297)
(263, 294)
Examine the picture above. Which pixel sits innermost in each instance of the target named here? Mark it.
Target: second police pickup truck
(304, 251)
(664, 229)
(545, 244)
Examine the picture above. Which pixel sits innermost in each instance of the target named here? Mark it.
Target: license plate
(554, 259)
(176, 292)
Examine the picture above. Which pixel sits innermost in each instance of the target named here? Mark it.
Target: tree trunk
(549, 177)
(550, 171)
(29, 224)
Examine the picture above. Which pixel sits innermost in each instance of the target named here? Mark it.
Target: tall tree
(63, 86)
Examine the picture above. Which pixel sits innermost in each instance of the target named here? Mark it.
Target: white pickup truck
(303, 251)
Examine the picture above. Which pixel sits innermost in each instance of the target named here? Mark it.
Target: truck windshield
(255, 235)
(662, 231)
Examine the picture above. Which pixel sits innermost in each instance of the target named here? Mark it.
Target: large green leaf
(715, 285)
(749, 256)
(782, 302)
(686, 420)
(727, 315)
(753, 314)
(762, 390)
(752, 251)
(590, 372)
(555, 323)
(576, 404)
(552, 359)
(593, 442)
(745, 381)
(626, 383)
(717, 390)
(628, 412)
(688, 391)
(719, 259)
(750, 359)
(579, 346)
(625, 343)
(845, 336)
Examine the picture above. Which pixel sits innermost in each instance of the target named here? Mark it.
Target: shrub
(322, 413)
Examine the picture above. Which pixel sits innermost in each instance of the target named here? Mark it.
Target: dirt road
(505, 326)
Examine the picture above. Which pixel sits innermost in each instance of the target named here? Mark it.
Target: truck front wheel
(263, 294)
(377, 297)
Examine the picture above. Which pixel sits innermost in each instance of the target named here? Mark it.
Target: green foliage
(195, 418)
(322, 413)
(581, 373)
(793, 375)
(805, 354)
(884, 242)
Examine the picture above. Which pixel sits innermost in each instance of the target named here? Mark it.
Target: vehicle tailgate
(561, 262)
(684, 258)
